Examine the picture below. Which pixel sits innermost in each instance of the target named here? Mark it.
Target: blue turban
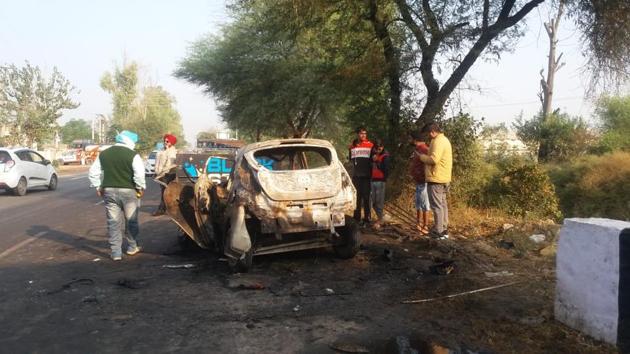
(128, 138)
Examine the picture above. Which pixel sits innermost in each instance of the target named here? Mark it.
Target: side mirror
(46, 162)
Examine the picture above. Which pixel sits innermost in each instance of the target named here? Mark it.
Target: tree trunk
(547, 84)
(392, 63)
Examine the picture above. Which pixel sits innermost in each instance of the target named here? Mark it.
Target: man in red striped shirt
(361, 153)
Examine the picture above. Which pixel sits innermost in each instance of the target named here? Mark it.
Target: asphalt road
(72, 209)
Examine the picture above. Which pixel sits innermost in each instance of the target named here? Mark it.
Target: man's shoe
(132, 251)
(438, 235)
(116, 257)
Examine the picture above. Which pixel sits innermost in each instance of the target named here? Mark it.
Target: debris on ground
(503, 273)
(459, 294)
(349, 347)
(537, 238)
(179, 266)
(68, 285)
(132, 283)
(508, 245)
(442, 267)
(388, 255)
(506, 227)
(401, 345)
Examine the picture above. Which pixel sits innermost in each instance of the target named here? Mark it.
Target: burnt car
(282, 195)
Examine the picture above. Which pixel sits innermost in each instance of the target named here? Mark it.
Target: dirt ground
(174, 298)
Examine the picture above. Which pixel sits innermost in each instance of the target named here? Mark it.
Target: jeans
(121, 206)
(439, 205)
(378, 198)
(363, 186)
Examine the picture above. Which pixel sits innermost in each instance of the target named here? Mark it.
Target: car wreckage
(281, 196)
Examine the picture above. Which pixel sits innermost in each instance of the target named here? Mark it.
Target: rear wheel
(20, 189)
(52, 185)
(349, 241)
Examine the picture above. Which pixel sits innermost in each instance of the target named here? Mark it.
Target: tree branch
(486, 14)
(434, 27)
(417, 32)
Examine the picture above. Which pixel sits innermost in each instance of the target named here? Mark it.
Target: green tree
(153, 116)
(267, 79)
(614, 116)
(75, 129)
(559, 136)
(122, 84)
(31, 104)
(148, 111)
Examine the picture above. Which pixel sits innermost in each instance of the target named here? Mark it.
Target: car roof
(14, 149)
(280, 142)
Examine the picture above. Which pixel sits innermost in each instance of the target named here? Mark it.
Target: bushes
(594, 186)
(522, 189)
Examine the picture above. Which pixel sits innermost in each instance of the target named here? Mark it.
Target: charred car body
(282, 195)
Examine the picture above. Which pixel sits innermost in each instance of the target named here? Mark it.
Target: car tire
(349, 242)
(20, 189)
(52, 185)
(185, 242)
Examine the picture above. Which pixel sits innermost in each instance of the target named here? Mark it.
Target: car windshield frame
(285, 158)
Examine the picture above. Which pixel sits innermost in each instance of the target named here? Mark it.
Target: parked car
(149, 163)
(22, 169)
(281, 196)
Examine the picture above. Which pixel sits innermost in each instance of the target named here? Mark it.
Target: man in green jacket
(438, 169)
(118, 176)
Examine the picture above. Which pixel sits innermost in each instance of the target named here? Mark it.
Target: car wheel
(349, 240)
(20, 189)
(52, 185)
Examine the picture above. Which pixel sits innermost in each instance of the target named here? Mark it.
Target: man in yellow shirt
(438, 169)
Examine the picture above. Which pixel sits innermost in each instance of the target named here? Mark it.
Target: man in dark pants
(361, 152)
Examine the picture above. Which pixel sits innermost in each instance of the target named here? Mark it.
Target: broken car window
(287, 158)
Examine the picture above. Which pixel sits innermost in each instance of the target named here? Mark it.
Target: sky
(84, 39)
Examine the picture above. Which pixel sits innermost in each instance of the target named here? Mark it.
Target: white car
(149, 163)
(22, 169)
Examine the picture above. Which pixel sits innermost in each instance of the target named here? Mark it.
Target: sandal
(422, 229)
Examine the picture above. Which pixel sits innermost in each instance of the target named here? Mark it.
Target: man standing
(165, 168)
(438, 169)
(380, 171)
(118, 176)
(361, 152)
(417, 168)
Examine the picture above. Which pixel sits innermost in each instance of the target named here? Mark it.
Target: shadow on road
(78, 242)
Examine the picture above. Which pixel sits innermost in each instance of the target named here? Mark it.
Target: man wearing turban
(118, 176)
(165, 168)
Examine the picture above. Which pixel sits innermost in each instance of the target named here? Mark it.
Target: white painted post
(588, 276)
